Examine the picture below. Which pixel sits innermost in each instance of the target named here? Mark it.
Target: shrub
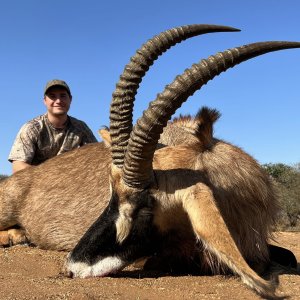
(287, 183)
(3, 177)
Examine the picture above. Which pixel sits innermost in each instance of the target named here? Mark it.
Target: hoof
(4, 238)
(12, 237)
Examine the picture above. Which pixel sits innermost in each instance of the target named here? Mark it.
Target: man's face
(57, 101)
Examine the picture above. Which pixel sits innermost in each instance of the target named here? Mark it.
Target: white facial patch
(104, 267)
(124, 222)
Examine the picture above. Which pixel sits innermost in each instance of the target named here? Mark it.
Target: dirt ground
(31, 273)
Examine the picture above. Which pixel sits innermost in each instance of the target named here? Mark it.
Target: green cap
(58, 83)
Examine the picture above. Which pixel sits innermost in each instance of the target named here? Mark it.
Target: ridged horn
(126, 89)
(137, 169)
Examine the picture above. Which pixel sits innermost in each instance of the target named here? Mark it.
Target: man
(50, 134)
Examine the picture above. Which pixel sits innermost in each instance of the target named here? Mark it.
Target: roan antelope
(196, 199)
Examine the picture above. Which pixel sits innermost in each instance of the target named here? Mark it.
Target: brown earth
(31, 273)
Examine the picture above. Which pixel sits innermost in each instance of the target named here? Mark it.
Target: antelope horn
(137, 169)
(126, 89)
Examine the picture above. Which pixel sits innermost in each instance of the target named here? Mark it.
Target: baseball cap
(59, 83)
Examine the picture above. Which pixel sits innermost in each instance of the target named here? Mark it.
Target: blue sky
(88, 42)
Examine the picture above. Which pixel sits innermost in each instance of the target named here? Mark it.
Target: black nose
(68, 274)
(65, 271)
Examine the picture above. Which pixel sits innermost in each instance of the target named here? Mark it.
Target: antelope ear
(105, 135)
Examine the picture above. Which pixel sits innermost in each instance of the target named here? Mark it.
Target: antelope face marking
(122, 234)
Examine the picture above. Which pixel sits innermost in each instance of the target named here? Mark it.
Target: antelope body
(189, 197)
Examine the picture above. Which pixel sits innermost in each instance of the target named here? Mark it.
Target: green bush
(287, 183)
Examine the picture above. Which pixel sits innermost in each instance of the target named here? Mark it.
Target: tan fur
(104, 134)
(241, 189)
(205, 188)
(4, 238)
(209, 226)
(240, 205)
(57, 201)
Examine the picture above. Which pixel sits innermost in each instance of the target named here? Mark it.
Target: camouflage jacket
(38, 140)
